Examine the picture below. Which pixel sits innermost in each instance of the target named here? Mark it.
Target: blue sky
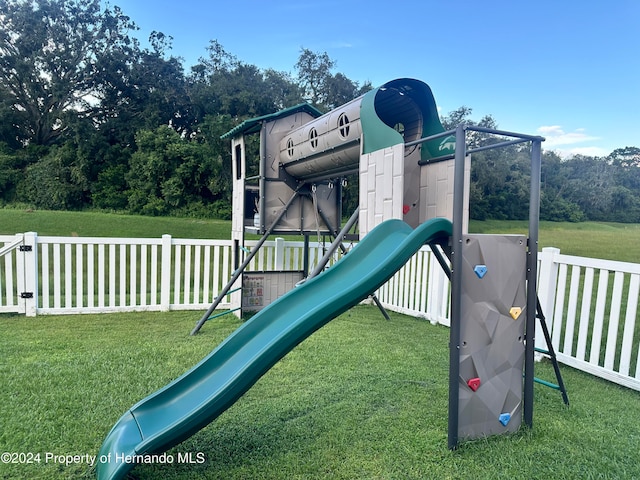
(568, 70)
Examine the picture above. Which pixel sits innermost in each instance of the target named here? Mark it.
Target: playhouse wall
(381, 187)
(436, 191)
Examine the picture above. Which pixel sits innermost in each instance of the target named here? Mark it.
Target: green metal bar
(545, 383)
(223, 313)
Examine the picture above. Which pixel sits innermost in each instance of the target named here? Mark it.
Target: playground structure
(413, 178)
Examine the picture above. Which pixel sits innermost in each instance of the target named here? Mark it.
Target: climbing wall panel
(492, 335)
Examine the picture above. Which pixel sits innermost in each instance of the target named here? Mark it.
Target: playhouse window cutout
(313, 138)
(343, 125)
(290, 147)
(399, 127)
(238, 159)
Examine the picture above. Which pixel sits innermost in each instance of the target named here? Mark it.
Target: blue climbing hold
(480, 270)
(504, 418)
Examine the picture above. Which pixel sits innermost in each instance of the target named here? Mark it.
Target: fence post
(547, 284)
(279, 254)
(165, 274)
(30, 288)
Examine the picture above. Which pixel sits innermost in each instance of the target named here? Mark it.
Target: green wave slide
(189, 403)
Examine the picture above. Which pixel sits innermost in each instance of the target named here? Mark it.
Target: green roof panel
(253, 125)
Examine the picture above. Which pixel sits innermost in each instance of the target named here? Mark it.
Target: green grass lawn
(611, 241)
(89, 224)
(361, 398)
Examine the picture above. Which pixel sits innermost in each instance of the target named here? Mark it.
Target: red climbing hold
(474, 383)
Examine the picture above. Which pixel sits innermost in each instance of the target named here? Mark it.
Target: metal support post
(532, 275)
(456, 285)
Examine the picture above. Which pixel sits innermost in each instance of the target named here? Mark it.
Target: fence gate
(16, 256)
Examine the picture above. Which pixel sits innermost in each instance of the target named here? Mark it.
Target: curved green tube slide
(186, 405)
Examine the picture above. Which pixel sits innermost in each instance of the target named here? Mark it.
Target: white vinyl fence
(591, 305)
(592, 313)
(62, 275)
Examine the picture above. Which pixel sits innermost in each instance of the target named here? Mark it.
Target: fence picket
(614, 319)
(205, 274)
(143, 275)
(57, 303)
(112, 275)
(91, 277)
(44, 274)
(133, 274)
(176, 274)
(585, 314)
(79, 277)
(558, 312)
(629, 324)
(187, 275)
(571, 311)
(598, 318)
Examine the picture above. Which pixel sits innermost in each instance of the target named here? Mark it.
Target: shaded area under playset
(413, 190)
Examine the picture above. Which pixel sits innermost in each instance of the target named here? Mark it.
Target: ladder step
(546, 384)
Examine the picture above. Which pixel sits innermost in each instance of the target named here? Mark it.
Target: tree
(462, 116)
(320, 87)
(625, 163)
(55, 182)
(223, 85)
(146, 89)
(555, 204)
(53, 55)
(314, 72)
(339, 90)
(282, 89)
(173, 175)
(626, 157)
(590, 185)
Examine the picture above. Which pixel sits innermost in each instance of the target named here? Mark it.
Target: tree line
(89, 118)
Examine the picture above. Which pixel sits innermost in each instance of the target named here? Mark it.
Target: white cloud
(555, 135)
(340, 44)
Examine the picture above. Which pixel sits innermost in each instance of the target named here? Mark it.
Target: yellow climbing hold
(515, 312)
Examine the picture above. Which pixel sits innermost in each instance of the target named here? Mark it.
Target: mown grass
(361, 398)
(610, 241)
(99, 224)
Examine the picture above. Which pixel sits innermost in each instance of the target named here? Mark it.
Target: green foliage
(170, 174)
(321, 88)
(55, 182)
(89, 118)
(10, 173)
(52, 55)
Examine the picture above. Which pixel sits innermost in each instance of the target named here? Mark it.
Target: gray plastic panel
(492, 335)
